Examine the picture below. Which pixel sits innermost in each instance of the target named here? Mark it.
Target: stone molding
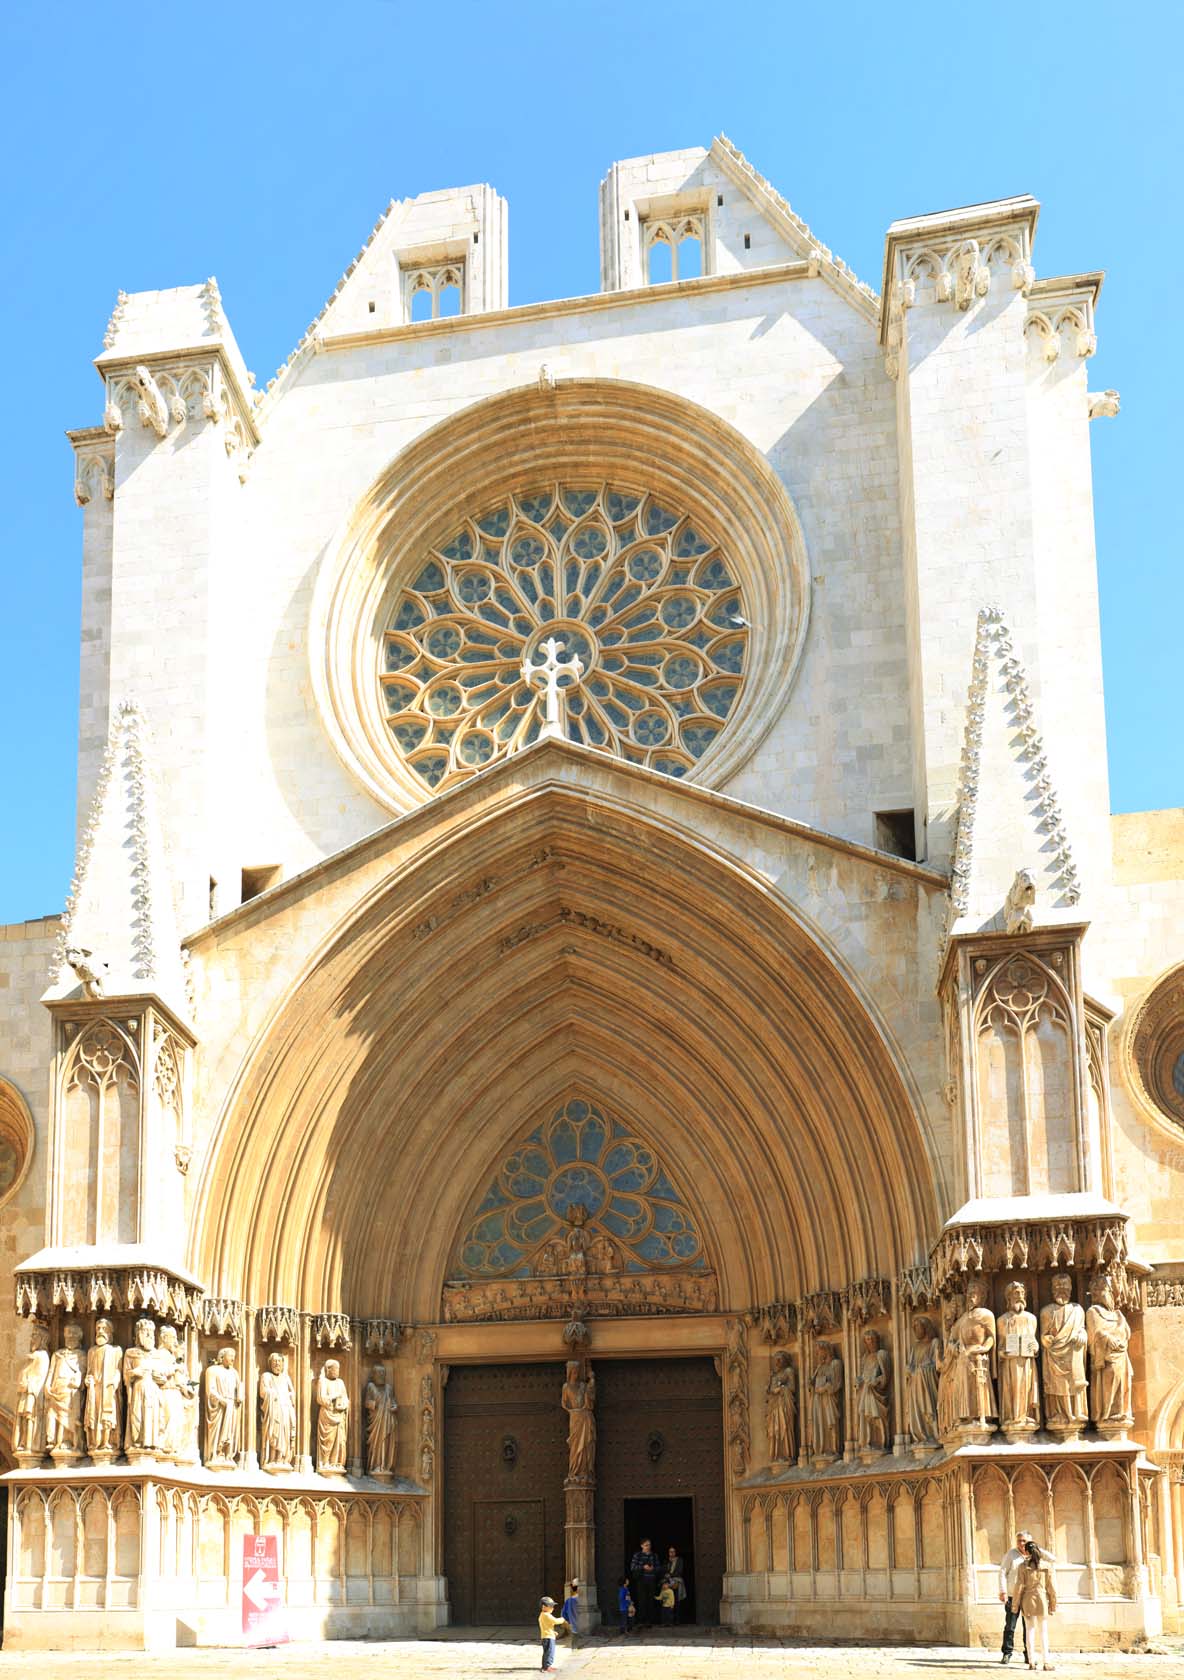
(1096, 1244)
(1060, 318)
(94, 465)
(993, 642)
(131, 1289)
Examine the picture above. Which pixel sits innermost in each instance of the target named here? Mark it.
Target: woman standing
(1034, 1597)
(676, 1575)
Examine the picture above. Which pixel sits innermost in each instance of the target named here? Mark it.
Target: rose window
(623, 582)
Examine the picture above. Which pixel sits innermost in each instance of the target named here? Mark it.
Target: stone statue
(1019, 1384)
(603, 1257)
(103, 1415)
(1110, 1373)
(973, 1394)
(29, 1439)
(781, 1409)
(1017, 906)
(921, 1384)
(579, 1401)
(946, 1360)
(63, 1398)
(224, 1405)
(873, 1395)
(332, 1420)
(381, 1421)
(826, 1407)
(176, 1391)
(1063, 1338)
(277, 1417)
(141, 1432)
(575, 1263)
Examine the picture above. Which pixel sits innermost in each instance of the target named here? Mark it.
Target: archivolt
(561, 945)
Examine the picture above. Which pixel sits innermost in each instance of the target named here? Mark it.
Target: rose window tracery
(1157, 1047)
(631, 585)
(583, 1170)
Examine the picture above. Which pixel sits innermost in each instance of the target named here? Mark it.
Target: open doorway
(665, 1523)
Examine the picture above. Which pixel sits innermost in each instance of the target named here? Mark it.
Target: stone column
(353, 1375)
(304, 1461)
(248, 1364)
(579, 1529)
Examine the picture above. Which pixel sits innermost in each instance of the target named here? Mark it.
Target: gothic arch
(562, 940)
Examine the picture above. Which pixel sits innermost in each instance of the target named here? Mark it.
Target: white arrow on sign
(256, 1590)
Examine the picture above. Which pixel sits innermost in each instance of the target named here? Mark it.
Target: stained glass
(630, 584)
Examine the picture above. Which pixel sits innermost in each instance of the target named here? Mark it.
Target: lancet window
(434, 292)
(673, 247)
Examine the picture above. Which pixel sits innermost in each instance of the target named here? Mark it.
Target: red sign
(264, 1622)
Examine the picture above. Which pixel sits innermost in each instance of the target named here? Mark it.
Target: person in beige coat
(1034, 1597)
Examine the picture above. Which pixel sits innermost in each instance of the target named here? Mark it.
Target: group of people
(652, 1590)
(1028, 1594)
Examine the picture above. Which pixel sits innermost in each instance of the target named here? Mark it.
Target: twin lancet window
(431, 294)
(673, 247)
(644, 606)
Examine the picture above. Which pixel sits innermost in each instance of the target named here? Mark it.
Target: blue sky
(154, 145)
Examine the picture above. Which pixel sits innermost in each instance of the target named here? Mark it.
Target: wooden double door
(659, 1471)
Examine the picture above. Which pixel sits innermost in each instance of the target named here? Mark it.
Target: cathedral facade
(602, 996)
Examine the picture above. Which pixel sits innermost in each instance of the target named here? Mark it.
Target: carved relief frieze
(617, 1296)
(567, 917)
(736, 1387)
(427, 1427)
(116, 1289)
(1099, 1244)
(1165, 1288)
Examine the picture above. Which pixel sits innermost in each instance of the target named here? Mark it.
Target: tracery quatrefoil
(642, 595)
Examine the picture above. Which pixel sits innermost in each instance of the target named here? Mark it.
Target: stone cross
(551, 669)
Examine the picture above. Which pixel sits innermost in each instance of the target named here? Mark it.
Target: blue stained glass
(638, 674)
(592, 1134)
(597, 616)
(495, 524)
(627, 1216)
(590, 542)
(547, 578)
(577, 1109)
(724, 611)
(398, 695)
(690, 543)
(493, 614)
(669, 1219)
(564, 1142)
(444, 702)
(476, 749)
(577, 1184)
(410, 614)
(647, 633)
(444, 643)
(685, 1245)
(571, 576)
(651, 729)
(713, 574)
(670, 766)
(681, 671)
(399, 656)
(611, 638)
(634, 702)
(729, 656)
(559, 528)
(628, 596)
(1178, 1075)
(577, 502)
(527, 551)
(506, 728)
(536, 507)
(642, 656)
(432, 577)
(620, 507)
(679, 611)
(493, 1198)
(492, 1228)
(645, 565)
(643, 615)
(718, 698)
(657, 520)
(594, 731)
(473, 586)
(409, 735)
(599, 687)
(460, 548)
(696, 738)
(433, 769)
(616, 716)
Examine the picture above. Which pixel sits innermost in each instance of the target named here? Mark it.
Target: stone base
(1015, 1434)
(1062, 1430)
(924, 1449)
(1116, 1430)
(65, 1458)
(971, 1435)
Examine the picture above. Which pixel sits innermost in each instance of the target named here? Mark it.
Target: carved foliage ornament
(646, 601)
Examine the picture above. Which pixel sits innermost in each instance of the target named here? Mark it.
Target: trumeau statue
(921, 1384)
(381, 1425)
(143, 1422)
(579, 1401)
(103, 1415)
(29, 1442)
(1063, 1338)
(224, 1404)
(332, 1420)
(873, 1396)
(826, 1407)
(1019, 1385)
(1110, 1373)
(277, 1417)
(781, 1409)
(63, 1398)
(973, 1394)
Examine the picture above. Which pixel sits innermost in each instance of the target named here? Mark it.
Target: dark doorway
(505, 1457)
(660, 1467)
(665, 1523)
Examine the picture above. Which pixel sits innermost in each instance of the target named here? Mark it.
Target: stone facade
(594, 842)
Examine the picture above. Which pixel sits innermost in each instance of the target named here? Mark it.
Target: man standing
(644, 1570)
(1007, 1580)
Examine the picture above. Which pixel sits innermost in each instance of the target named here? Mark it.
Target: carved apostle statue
(579, 1401)
(946, 1359)
(781, 1409)
(873, 1395)
(141, 1432)
(63, 1397)
(103, 1414)
(1063, 1337)
(277, 1416)
(381, 1425)
(974, 1343)
(29, 1441)
(224, 1405)
(921, 1383)
(826, 1406)
(1110, 1373)
(1019, 1384)
(172, 1378)
(332, 1420)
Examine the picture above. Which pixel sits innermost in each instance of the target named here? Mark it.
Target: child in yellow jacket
(548, 1623)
